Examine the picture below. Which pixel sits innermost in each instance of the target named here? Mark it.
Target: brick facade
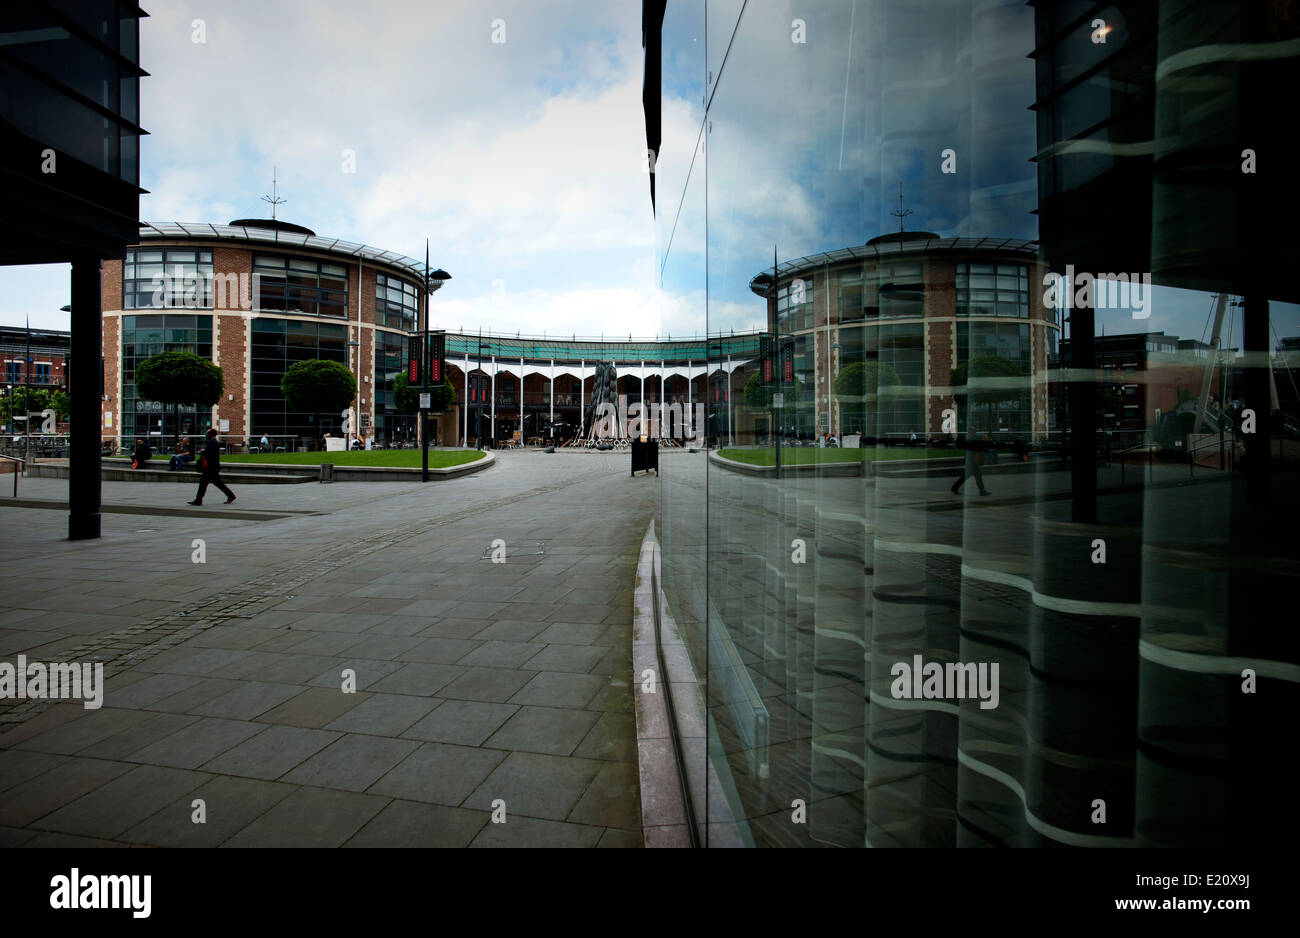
(112, 339)
(230, 336)
(111, 289)
(940, 339)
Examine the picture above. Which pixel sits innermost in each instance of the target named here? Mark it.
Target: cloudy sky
(523, 162)
(819, 111)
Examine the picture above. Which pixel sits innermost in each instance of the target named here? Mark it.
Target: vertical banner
(765, 355)
(437, 355)
(413, 359)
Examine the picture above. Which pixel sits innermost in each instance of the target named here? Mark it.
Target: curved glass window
(300, 285)
(167, 278)
(992, 290)
(396, 302)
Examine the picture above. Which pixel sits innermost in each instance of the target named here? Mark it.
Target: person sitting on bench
(141, 454)
(183, 455)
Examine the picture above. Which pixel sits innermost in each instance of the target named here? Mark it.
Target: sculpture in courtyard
(604, 391)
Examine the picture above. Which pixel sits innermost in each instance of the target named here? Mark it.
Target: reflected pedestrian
(210, 466)
(971, 467)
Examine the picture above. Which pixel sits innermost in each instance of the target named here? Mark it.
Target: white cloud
(521, 162)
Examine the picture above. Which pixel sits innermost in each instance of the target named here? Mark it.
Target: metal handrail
(21, 462)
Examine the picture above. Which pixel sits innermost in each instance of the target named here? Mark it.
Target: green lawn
(404, 458)
(807, 455)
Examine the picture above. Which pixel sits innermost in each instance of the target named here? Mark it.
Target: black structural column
(1083, 414)
(86, 396)
(1259, 398)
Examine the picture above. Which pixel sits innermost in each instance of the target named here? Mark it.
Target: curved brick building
(258, 295)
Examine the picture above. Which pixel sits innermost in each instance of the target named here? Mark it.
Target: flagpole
(780, 365)
(27, 398)
(424, 374)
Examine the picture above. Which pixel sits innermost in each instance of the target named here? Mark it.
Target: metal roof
(893, 248)
(742, 345)
(208, 232)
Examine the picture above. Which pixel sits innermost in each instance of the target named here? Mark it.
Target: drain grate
(538, 549)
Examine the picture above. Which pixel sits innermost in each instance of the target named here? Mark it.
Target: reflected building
(914, 307)
(1121, 598)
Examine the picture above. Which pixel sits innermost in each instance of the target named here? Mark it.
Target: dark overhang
(69, 157)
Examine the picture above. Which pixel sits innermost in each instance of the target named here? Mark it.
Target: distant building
(48, 365)
(42, 365)
(257, 295)
(1146, 374)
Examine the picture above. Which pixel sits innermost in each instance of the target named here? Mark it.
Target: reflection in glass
(1006, 484)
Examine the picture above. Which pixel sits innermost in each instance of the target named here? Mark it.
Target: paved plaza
(482, 689)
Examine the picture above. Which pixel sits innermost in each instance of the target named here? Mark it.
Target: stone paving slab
(411, 824)
(480, 688)
(439, 773)
(271, 753)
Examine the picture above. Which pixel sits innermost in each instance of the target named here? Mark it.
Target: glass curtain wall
(142, 338)
(1022, 627)
(279, 344)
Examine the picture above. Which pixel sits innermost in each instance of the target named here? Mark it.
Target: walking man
(971, 467)
(210, 465)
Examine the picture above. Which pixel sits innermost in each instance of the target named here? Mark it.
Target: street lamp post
(356, 410)
(478, 404)
(830, 390)
(764, 286)
(432, 283)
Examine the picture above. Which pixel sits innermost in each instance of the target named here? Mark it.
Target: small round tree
(319, 387)
(758, 396)
(858, 386)
(406, 396)
(178, 378)
(1000, 388)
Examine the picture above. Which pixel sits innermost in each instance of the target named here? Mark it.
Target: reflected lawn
(808, 455)
(403, 458)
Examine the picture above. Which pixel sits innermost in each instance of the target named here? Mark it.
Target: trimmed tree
(989, 394)
(759, 397)
(178, 378)
(858, 386)
(406, 397)
(319, 387)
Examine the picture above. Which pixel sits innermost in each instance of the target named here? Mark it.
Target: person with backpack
(210, 466)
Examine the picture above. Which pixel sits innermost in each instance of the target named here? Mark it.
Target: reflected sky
(807, 142)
